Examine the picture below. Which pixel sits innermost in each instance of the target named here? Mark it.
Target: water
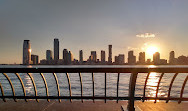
(99, 83)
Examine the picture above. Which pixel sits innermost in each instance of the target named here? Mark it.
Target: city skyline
(28, 56)
(68, 57)
(93, 25)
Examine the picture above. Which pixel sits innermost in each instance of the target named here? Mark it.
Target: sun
(151, 50)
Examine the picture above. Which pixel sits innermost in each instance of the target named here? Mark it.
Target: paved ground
(88, 106)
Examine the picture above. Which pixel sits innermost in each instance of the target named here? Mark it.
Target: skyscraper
(35, 59)
(102, 56)
(81, 56)
(110, 54)
(26, 52)
(70, 57)
(141, 57)
(116, 60)
(48, 55)
(131, 58)
(65, 56)
(172, 57)
(93, 56)
(121, 58)
(56, 49)
(156, 58)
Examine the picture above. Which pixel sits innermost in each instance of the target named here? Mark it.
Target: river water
(99, 83)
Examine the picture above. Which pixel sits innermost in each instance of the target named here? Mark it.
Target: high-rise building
(110, 54)
(141, 57)
(56, 49)
(130, 53)
(70, 57)
(172, 57)
(26, 52)
(102, 56)
(131, 58)
(121, 59)
(35, 59)
(65, 56)
(116, 60)
(93, 56)
(156, 58)
(49, 55)
(81, 56)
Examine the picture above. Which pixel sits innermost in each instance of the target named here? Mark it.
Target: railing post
(132, 84)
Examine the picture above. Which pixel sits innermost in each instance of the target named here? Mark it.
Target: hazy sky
(92, 25)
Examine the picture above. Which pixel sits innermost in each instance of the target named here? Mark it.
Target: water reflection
(152, 85)
(28, 84)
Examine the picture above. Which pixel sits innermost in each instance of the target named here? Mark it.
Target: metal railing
(132, 83)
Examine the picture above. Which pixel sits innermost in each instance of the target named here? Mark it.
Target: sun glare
(151, 50)
(30, 50)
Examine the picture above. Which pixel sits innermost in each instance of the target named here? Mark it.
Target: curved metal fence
(132, 83)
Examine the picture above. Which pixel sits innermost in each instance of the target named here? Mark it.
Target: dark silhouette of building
(56, 49)
(102, 56)
(172, 59)
(93, 56)
(116, 60)
(120, 59)
(75, 62)
(148, 62)
(89, 60)
(81, 56)
(26, 52)
(35, 59)
(131, 58)
(163, 61)
(110, 54)
(65, 56)
(49, 55)
(70, 57)
(141, 58)
(156, 58)
(43, 61)
(182, 60)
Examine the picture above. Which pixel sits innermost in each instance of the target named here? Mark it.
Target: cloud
(146, 35)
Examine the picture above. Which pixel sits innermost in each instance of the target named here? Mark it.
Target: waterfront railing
(134, 71)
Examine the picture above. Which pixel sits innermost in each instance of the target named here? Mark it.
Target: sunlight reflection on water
(152, 84)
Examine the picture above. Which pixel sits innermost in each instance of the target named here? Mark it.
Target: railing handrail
(134, 71)
(97, 70)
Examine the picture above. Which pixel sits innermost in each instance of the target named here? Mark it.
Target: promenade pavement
(53, 105)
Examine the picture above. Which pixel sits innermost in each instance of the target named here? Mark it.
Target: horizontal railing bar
(91, 97)
(94, 70)
(162, 98)
(66, 97)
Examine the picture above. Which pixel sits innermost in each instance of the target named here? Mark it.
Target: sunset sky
(91, 25)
